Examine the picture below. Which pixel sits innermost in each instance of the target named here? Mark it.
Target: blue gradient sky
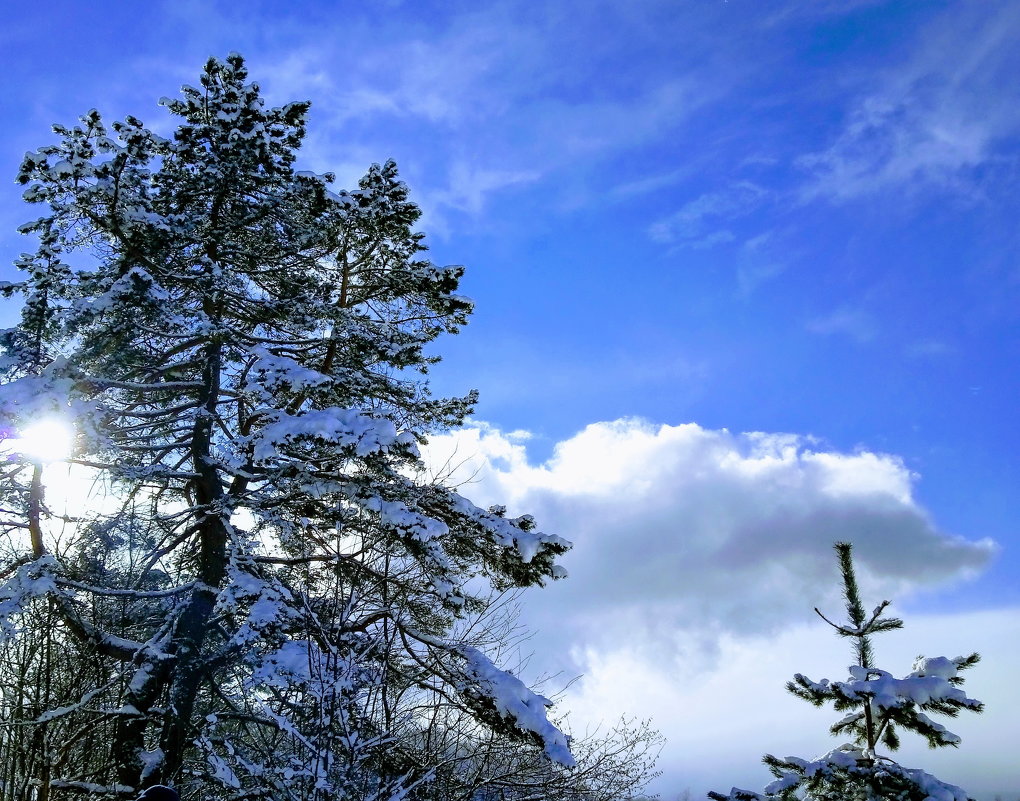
(754, 215)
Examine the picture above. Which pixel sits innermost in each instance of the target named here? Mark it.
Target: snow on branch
(852, 762)
(260, 603)
(40, 578)
(270, 372)
(515, 702)
(35, 396)
(335, 425)
(112, 592)
(518, 533)
(930, 682)
(136, 285)
(844, 773)
(31, 581)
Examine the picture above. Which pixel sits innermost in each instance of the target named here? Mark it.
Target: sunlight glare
(48, 440)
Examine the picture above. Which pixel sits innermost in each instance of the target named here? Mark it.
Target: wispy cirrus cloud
(930, 348)
(760, 261)
(468, 189)
(701, 223)
(933, 118)
(855, 323)
(649, 183)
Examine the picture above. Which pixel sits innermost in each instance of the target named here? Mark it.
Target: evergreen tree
(276, 607)
(876, 706)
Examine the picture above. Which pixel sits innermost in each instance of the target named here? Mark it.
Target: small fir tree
(877, 706)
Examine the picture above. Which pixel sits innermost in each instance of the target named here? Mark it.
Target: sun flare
(48, 440)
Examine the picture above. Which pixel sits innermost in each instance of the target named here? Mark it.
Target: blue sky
(791, 217)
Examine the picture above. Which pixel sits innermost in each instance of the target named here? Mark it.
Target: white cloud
(857, 324)
(469, 186)
(490, 85)
(930, 348)
(934, 117)
(758, 263)
(698, 557)
(649, 184)
(685, 529)
(698, 222)
(719, 723)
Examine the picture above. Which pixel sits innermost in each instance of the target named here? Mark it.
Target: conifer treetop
(876, 705)
(241, 347)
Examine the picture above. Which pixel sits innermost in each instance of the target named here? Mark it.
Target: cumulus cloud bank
(683, 532)
(698, 556)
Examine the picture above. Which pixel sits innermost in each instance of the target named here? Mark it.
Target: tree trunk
(193, 624)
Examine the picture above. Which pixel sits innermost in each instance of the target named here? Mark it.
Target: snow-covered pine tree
(877, 704)
(267, 605)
